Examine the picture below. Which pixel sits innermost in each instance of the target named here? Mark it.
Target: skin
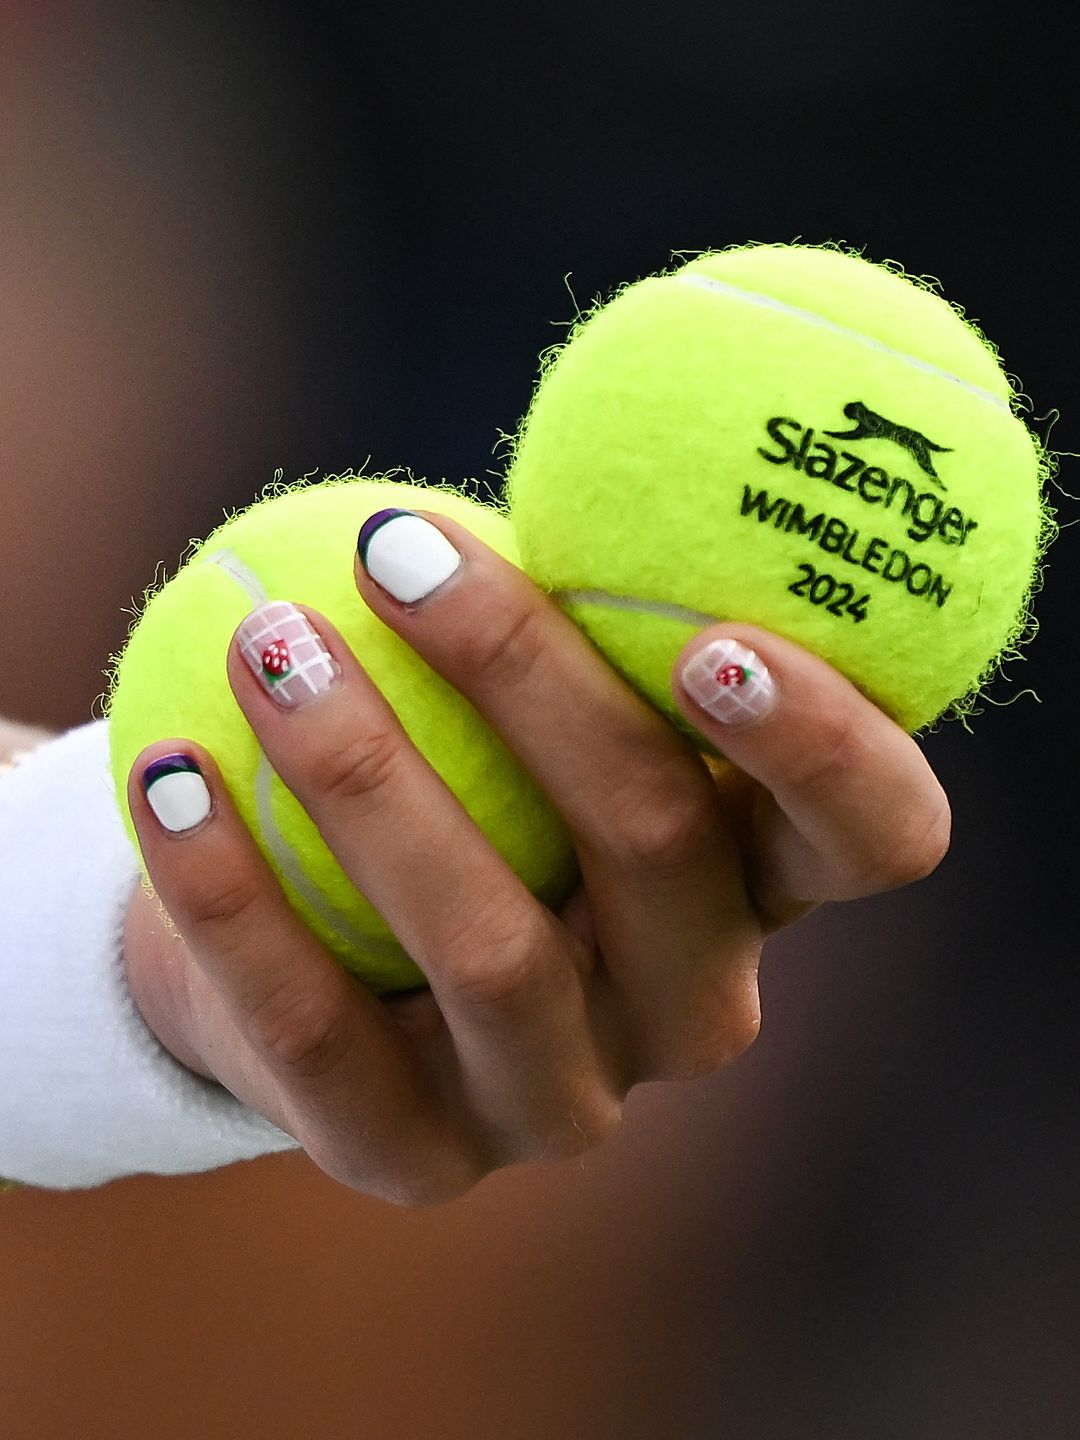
(536, 1025)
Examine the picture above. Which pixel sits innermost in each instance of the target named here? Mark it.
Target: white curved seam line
(284, 854)
(770, 302)
(662, 608)
(235, 568)
(286, 858)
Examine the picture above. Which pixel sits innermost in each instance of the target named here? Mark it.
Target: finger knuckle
(497, 958)
(360, 767)
(659, 828)
(919, 845)
(738, 1026)
(743, 1030)
(839, 747)
(424, 1190)
(912, 833)
(592, 1115)
(294, 1028)
(503, 653)
(425, 1181)
(225, 905)
(723, 1028)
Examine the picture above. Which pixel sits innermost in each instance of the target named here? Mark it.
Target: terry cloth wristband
(87, 1092)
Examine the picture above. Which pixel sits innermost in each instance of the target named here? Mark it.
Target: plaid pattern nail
(729, 682)
(286, 654)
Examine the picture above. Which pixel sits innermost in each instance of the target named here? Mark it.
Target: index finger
(851, 807)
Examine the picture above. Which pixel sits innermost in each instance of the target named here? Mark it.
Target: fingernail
(405, 554)
(729, 682)
(177, 792)
(286, 654)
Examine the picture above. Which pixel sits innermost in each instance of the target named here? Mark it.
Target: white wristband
(87, 1093)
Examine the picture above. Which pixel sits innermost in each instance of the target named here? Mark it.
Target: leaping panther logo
(871, 426)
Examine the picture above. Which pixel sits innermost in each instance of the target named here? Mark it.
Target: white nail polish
(176, 792)
(729, 682)
(406, 555)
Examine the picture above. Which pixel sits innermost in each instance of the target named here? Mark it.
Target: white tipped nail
(730, 683)
(177, 792)
(406, 555)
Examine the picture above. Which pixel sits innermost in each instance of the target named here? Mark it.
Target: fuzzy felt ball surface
(170, 681)
(795, 437)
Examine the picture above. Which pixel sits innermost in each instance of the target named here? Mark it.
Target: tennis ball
(170, 680)
(795, 437)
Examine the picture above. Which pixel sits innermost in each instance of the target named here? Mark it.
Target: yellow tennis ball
(795, 437)
(170, 680)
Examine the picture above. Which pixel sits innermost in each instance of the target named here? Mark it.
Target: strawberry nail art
(286, 654)
(730, 683)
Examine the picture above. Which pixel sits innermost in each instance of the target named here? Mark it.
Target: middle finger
(674, 925)
(506, 976)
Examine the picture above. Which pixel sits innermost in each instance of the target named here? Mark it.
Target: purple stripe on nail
(177, 793)
(168, 765)
(372, 524)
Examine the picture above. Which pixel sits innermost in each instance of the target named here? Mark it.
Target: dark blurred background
(258, 237)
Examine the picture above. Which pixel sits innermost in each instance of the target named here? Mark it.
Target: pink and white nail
(286, 654)
(730, 683)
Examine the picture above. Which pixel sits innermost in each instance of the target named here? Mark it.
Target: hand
(536, 1025)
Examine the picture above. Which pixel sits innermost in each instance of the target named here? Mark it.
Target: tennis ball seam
(1025, 625)
(365, 945)
(170, 680)
(822, 322)
(636, 604)
(797, 308)
(288, 862)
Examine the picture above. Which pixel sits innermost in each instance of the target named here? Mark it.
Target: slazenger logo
(871, 426)
(924, 511)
